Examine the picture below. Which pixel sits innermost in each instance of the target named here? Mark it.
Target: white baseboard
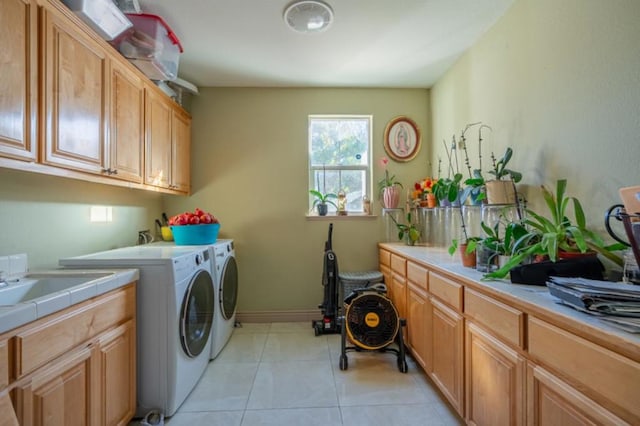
(278, 316)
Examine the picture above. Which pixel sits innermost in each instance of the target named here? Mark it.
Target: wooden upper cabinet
(168, 143)
(74, 89)
(181, 152)
(158, 116)
(18, 84)
(126, 132)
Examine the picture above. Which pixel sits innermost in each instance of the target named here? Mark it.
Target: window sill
(350, 216)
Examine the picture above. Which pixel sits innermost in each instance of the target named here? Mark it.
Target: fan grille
(371, 321)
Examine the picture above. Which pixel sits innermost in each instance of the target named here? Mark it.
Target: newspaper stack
(616, 303)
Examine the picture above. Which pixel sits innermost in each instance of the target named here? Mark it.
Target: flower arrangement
(423, 187)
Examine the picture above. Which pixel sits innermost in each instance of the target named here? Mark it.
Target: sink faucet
(3, 280)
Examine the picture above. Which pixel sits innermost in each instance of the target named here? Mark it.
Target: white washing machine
(226, 282)
(175, 312)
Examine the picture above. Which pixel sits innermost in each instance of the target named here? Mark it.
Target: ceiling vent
(308, 16)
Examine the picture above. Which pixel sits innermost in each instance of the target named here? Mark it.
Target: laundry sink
(33, 295)
(37, 285)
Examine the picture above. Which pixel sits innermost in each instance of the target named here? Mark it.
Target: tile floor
(281, 374)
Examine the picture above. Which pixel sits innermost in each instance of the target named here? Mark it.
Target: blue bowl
(189, 235)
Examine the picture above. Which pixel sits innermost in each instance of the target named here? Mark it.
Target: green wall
(47, 217)
(249, 162)
(559, 81)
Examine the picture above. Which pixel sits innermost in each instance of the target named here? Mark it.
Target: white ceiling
(371, 43)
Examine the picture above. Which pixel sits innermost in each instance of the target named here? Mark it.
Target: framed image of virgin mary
(402, 139)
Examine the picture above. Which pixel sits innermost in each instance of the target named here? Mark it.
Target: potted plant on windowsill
(557, 233)
(501, 190)
(388, 188)
(322, 201)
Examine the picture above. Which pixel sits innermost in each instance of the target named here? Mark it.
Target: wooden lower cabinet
(419, 325)
(495, 380)
(59, 395)
(447, 346)
(76, 366)
(553, 402)
(499, 364)
(118, 375)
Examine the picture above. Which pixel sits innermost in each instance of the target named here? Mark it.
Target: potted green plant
(555, 234)
(321, 201)
(447, 190)
(388, 188)
(409, 232)
(501, 190)
(452, 190)
(495, 248)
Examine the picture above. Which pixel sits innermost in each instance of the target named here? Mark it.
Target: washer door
(229, 288)
(196, 314)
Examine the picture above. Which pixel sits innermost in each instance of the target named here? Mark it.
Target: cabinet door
(18, 71)
(447, 346)
(126, 135)
(553, 402)
(58, 395)
(181, 152)
(495, 380)
(419, 325)
(118, 372)
(74, 96)
(158, 137)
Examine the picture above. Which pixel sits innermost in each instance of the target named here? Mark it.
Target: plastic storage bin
(152, 47)
(102, 15)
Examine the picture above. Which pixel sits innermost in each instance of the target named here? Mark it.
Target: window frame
(367, 168)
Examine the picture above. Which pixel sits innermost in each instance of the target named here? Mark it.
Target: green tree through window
(339, 157)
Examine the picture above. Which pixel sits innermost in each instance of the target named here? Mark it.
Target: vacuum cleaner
(329, 307)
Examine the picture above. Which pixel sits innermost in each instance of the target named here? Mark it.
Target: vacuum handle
(327, 245)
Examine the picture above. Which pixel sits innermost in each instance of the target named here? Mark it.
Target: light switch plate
(17, 264)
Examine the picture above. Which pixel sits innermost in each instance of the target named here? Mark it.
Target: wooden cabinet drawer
(399, 265)
(609, 378)
(384, 257)
(504, 321)
(446, 290)
(53, 336)
(417, 274)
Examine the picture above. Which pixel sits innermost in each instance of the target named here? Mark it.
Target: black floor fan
(329, 307)
(371, 322)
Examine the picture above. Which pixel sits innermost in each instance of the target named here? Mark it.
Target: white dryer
(226, 283)
(175, 312)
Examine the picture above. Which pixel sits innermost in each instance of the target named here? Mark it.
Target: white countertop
(12, 316)
(536, 297)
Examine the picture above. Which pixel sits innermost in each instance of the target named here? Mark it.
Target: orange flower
(423, 187)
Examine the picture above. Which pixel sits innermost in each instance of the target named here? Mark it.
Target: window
(339, 157)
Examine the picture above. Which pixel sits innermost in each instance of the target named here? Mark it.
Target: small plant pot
(391, 197)
(468, 259)
(501, 192)
(323, 208)
(486, 259)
